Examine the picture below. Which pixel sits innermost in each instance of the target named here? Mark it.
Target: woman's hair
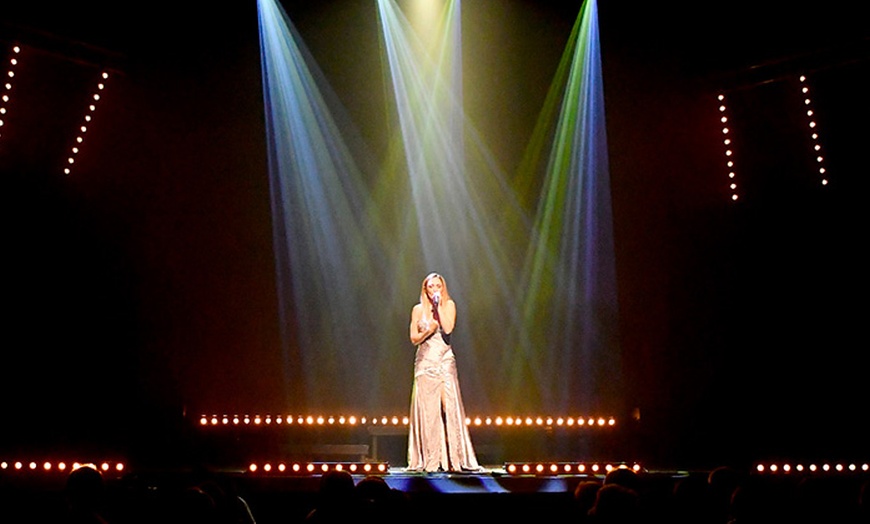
(424, 297)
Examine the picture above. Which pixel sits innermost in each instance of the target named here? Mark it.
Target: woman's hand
(428, 326)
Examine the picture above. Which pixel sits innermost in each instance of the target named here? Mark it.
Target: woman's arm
(447, 315)
(419, 330)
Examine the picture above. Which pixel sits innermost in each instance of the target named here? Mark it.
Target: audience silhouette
(336, 498)
(721, 483)
(379, 502)
(616, 504)
(85, 496)
(723, 496)
(584, 497)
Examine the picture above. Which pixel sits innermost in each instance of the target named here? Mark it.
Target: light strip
(728, 151)
(814, 133)
(564, 468)
(478, 421)
(57, 467)
(86, 120)
(317, 468)
(7, 85)
(824, 467)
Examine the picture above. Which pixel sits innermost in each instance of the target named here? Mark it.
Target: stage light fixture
(810, 113)
(729, 152)
(11, 73)
(87, 119)
(564, 468)
(47, 467)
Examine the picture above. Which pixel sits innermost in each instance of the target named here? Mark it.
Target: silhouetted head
(84, 488)
(584, 495)
(723, 480)
(625, 477)
(615, 503)
(336, 485)
(373, 488)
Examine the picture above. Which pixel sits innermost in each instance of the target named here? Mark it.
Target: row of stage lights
(825, 467)
(322, 420)
(564, 468)
(59, 467)
(538, 468)
(319, 468)
(383, 468)
(814, 135)
(80, 138)
(729, 152)
(7, 85)
(314, 468)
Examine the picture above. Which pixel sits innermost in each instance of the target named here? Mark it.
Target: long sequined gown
(438, 437)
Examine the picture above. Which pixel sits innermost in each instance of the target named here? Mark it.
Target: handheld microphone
(436, 298)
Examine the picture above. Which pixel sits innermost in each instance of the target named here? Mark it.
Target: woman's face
(434, 285)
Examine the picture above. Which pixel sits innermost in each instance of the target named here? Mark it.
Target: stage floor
(489, 494)
(488, 480)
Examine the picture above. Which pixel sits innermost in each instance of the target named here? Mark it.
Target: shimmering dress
(438, 438)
